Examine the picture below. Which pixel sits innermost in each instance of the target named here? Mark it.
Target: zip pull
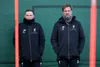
(69, 58)
(59, 62)
(41, 64)
(78, 61)
(31, 60)
(22, 64)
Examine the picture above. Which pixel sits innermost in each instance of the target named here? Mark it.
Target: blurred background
(47, 12)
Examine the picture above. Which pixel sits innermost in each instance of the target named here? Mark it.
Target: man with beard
(68, 39)
(31, 41)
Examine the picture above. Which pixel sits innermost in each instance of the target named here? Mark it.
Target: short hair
(67, 5)
(28, 10)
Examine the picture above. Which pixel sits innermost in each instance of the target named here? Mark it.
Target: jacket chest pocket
(63, 31)
(73, 28)
(23, 32)
(34, 31)
(74, 31)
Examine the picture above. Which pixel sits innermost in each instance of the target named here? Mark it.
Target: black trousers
(30, 64)
(68, 63)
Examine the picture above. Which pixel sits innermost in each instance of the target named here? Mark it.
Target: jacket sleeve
(14, 38)
(54, 39)
(81, 39)
(41, 40)
(19, 43)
